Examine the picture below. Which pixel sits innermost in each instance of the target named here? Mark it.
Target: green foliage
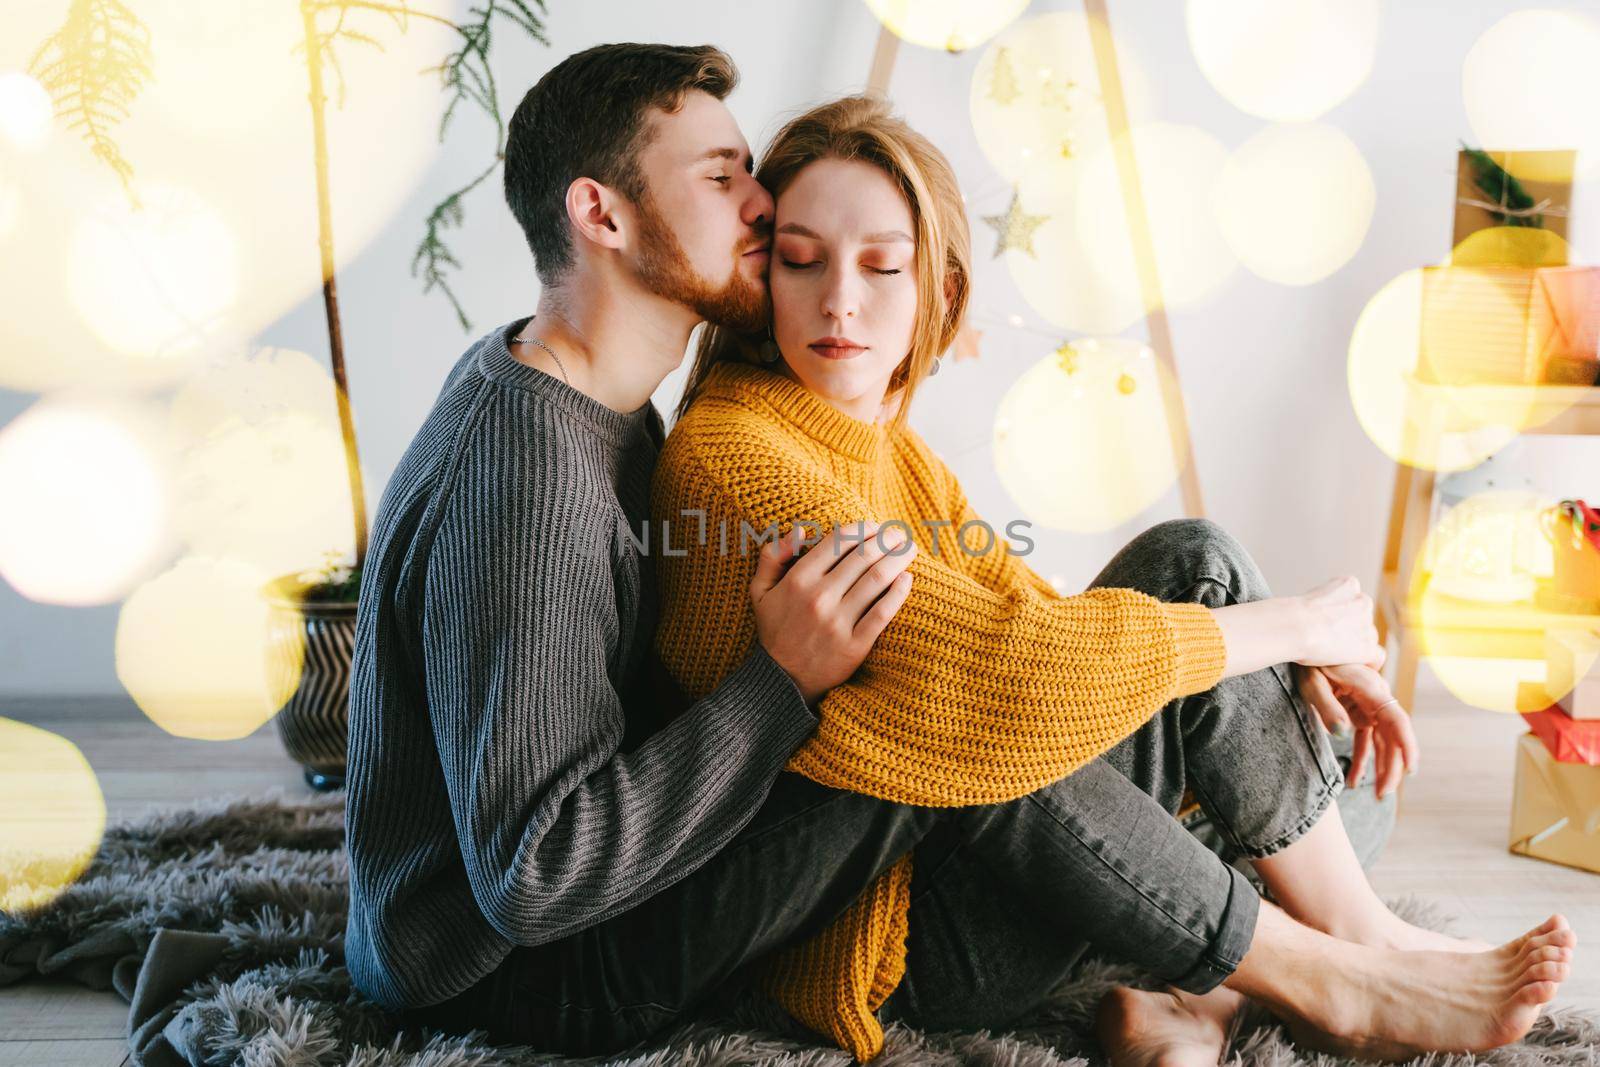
(93, 67)
(466, 74)
(334, 580)
(1499, 186)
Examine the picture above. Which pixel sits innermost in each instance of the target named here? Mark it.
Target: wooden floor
(1449, 845)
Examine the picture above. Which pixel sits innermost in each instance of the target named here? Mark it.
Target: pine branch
(1499, 186)
(466, 74)
(98, 61)
(433, 255)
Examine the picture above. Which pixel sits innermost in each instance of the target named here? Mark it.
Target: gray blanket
(223, 927)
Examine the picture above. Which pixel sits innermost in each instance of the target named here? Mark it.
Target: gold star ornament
(1015, 228)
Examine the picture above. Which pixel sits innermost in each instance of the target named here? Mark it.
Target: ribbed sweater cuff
(760, 683)
(1202, 653)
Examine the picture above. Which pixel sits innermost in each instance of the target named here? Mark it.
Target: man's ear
(592, 210)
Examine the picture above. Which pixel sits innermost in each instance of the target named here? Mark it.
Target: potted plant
(313, 632)
(93, 67)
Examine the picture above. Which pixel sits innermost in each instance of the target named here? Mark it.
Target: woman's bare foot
(1393, 1005)
(1166, 1028)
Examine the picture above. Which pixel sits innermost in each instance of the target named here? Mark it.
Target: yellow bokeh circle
(949, 25)
(158, 282)
(1475, 597)
(83, 486)
(1284, 60)
(195, 650)
(52, 815)
(1531, 81)
(1082, 275)
(1081, 439)
(261, 474)
(1409, 421)
(1295, 202)
(1035, 96)
(25, 112)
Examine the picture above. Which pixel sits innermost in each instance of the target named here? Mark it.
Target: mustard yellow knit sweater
(984, 687)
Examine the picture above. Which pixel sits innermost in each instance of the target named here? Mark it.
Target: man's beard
(665, 270)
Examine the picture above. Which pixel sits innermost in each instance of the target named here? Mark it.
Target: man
(536, 847)
(500, 668)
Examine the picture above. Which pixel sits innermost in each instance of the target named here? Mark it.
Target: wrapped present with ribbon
(1510, 309)
(1568, 740)
(1571, 681)
(1555, 808)
(1506, 325)
(1511, 190)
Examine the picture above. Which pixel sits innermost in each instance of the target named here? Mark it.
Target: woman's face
(844, 284)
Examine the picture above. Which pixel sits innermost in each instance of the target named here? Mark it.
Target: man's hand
(819, 620)
(1354, 695)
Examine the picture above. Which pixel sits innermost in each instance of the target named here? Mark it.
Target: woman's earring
(770, 352)
(935, 368)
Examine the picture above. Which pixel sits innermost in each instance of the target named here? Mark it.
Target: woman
(987, 685)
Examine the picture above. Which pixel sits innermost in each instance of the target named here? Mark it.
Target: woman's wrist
(1259, 633)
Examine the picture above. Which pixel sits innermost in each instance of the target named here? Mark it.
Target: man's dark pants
(1005, 898)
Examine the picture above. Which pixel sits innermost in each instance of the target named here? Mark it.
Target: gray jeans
(1254, 754)
(1005, 898)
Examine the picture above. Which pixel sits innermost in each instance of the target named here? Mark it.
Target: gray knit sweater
(514, 776)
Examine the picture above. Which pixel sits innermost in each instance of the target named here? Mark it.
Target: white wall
(1281, 459)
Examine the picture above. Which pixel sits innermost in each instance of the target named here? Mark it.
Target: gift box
(1571, 679)
(1529, 190)
(1569, 740)
(1555, 808)
(1510, 325)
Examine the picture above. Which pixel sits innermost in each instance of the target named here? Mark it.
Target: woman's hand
(1354, 695)
(1336, 625)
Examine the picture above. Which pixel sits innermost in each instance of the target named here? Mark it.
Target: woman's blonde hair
(863, 129)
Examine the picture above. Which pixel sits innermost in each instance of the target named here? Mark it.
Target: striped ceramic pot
(314, 639)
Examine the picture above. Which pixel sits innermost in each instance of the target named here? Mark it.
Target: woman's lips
(837, 351)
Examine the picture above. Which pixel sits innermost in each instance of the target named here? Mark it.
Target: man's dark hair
(586, 118)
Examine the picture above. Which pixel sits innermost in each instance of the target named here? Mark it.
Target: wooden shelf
(1550, 409)
(1463, 627)
(1460, 627)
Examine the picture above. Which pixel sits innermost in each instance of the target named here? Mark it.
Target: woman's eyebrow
(870, 239)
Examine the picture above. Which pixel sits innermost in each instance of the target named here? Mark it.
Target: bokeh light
(25, 112)
(194, 649)
(1082, 276)
(261, 472)
(1531, 82)
(949, 25)
(83, 483)
(158, 282)
(1295, 202)
(1081, 439)
(1412, 423)
(225, 117)
(1035, 97)
(52, 815)
(1285, 60)
(10, 204)
(1475, 594)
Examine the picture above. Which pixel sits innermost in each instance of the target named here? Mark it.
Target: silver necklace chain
(547, 348)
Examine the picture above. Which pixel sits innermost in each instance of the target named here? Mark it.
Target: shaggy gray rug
(249, 894)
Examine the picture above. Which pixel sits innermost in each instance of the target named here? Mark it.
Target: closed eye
(723, 178)
(806, 266)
